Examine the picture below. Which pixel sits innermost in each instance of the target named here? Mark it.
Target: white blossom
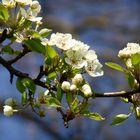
(24, 2)
(77, 79)
(127, 52)
(28, 14)
(60, 40)
(19, 37)
(91, 55)
(65, 86)
(9, 3)
(75, 58)
(44, 41)
(35, 7)
(10, 102)
(75, 55)
(87, 90)
(73, 88)
(94, 68)
(8, 110)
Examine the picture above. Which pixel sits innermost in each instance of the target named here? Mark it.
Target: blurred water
(106, 25)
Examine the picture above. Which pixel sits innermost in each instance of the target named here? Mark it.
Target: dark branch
(5, 35)
(116, 94)
(19, 73)
(22, 54)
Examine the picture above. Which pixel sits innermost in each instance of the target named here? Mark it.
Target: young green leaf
(3, 13)
(7, 49)
(53, 102)
(52, 75)
(74, 104)
(93, 116)
(50, 52)
(23, 83)
(35, 45)
(135, 59)
(44, 32)
(130, 79)
(119, 119)
(33, 33)
(115, 66)
(28, 83)
(19, 85)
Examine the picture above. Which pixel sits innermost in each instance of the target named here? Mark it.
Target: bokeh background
(107, 26)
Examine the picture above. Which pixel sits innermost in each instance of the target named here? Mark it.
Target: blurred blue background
(107, 26)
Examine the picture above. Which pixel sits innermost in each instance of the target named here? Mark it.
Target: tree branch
(40, 83)
(116, 94)
(22, 54)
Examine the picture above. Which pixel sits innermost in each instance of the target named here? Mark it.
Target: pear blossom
(73, 88)
(91, 55)
(24, 2)
(77, 79)
(127, 52)
(60, 40)
(65, 86)
(10, 102)
(35, 7)
(138, 112)
(28, 14)
(75, 58)
(86, 90)
(9, 3)
(93, 68)
(8, 110)
(75, 55)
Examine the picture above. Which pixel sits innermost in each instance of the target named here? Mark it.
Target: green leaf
(44, 32)
(52, 75)
(24, 97)
(135, 59)
(51, 52)
(28, 83)
(93, 116)
(115, 66)
(33, 33)
(69, 98)
(74, 104)
(35, 45)
(125, 100)
(19, 85)
(119, 119)
(23, 83)
(53, 102)
(3, 13)
(7, 49)
(130, 79)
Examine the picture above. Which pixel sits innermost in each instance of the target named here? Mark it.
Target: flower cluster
(8, 107)
(78, 85)
(29, 14)
(132, 48)
(77, 53)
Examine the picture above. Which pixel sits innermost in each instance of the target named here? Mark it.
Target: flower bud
(78, 79)
(138, 112)
(10, 102)
(8, 110)
(73, 88)
(86, 90)
(35, 6)
(65, 86)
